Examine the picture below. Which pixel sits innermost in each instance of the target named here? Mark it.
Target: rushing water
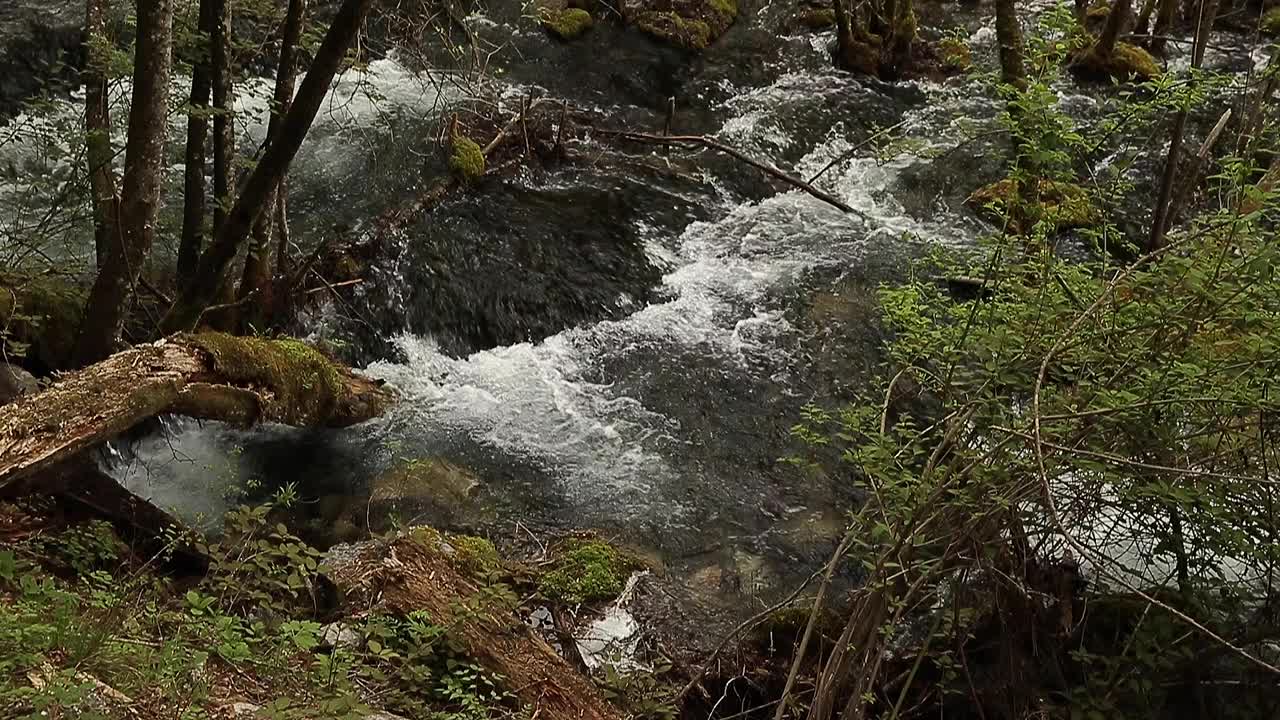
(664, 423)
(644, 392)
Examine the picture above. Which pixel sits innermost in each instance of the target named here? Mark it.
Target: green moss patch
(475, 556)
(467, 159)
(1270, 23)
(1062, 204)
(566, 24)
(590, 571)
(1126, 62)
(690, 24)
(304, 382)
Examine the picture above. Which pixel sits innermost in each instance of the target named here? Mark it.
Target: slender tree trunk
(1143, 23)
(224, 141)
(144, 165)
(270, 169)
(1009, 37)
(193, 208)
(1165, 16)
(1117, 20)
(1160, 212)
(257, 264)
(97, 129)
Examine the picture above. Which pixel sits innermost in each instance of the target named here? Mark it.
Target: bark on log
(211, 376)
(414, 573)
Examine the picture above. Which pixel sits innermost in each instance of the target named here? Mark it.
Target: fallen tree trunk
(414, 572)
(210, 375)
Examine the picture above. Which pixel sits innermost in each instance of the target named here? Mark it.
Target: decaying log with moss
(209, 375)
(420, 571)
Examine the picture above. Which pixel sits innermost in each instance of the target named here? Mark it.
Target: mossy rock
(1270, 23)
(955, 55)
(816, 18)
(41, 317)
(783, 628)
(1125, 62)
(589, 571)
(690, 24)
(1061, 204)
(467, 159)
(567, 23)
(305, 383)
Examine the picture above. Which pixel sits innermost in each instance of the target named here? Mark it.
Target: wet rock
(422, 485)
(690, 24)
(40, 45)
(244, 709)
(15, 382)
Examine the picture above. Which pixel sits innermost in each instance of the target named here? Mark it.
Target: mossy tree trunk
(212, 376)
(140, 199)
(193, 200)
(257, 264)
(1013, 71)
(269, 170)
(876, 38)
(1117, 21)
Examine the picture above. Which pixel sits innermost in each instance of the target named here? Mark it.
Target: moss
(955, 54)
(816, 18)
(304, 382)
(568, 23)
(590, 571)
(467, 159)
(1126, 62)
(1061, 204)
(691, 24)
(1270, 23)
(427, 537)
(475, 556)
(41, 316)
(1098, 12)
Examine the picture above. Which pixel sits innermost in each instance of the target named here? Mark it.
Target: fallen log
(239, 380)
(414, 573)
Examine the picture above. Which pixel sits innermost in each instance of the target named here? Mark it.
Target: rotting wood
(414, 573)
(210, 376)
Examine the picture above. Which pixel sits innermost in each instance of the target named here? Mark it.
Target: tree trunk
(257, 264)
(193, 208)
(1009, 38)
(144, 165)
(1165, 16)
(224, 141)
(1160, 220)
(1119, 17)
(211, 376)
(97, 129)
(413, 572)
(270, 169)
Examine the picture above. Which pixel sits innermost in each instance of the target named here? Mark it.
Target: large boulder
(40, 45)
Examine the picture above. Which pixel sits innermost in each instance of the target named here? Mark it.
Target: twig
(738, 155)
(849, 153)
(344, 283)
